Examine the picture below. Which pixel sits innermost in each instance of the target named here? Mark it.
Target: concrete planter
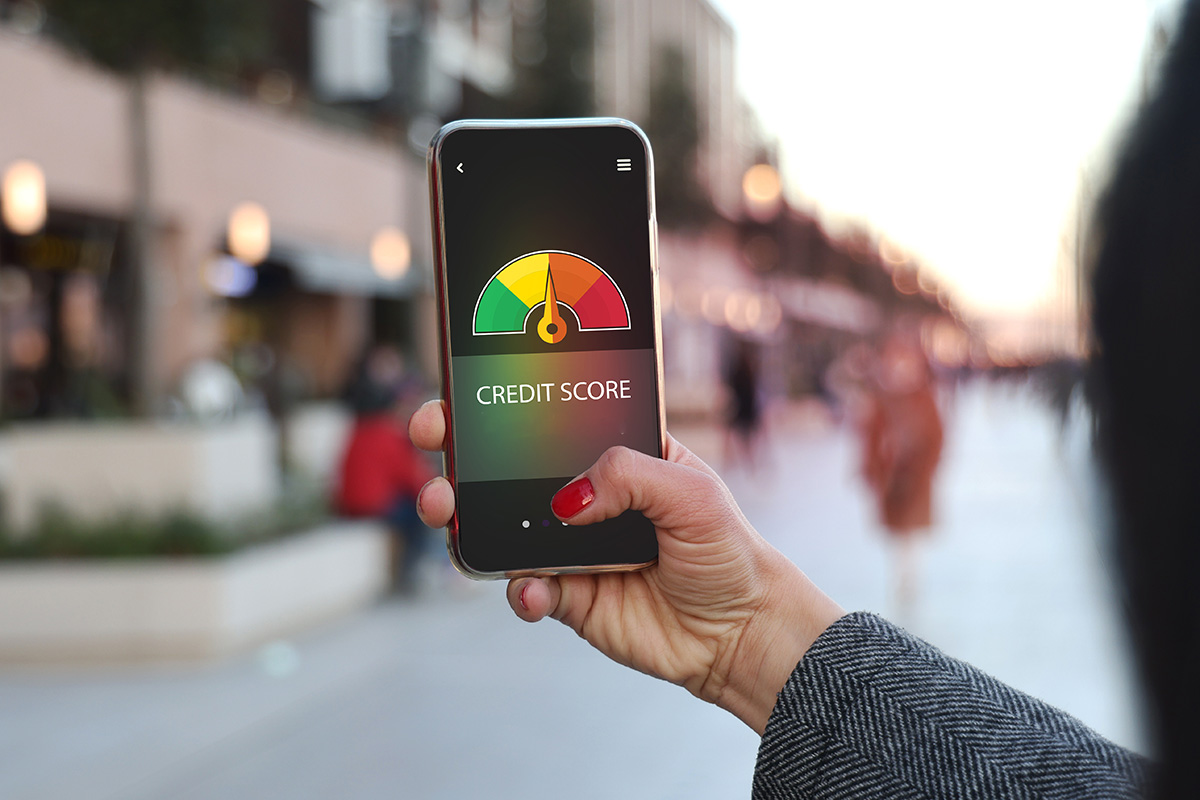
(95, 469)
(316, 435)
(158, 609)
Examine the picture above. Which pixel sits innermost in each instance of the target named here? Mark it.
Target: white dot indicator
(564, 524)
(525, 523)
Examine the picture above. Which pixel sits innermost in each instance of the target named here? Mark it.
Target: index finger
(427, 426)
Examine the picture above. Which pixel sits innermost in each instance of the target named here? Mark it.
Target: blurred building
(324, 135)
(630, 38)
(464, 58)
(420, 62)
(327, 194)
(753, 269)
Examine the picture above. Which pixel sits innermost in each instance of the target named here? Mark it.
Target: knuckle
(707, 498)
(707, 491)
(618, 464)
(708, 485)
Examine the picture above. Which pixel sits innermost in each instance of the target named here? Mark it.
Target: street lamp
(249, 233)
(391, 253)
(24, 198)
(763, 190)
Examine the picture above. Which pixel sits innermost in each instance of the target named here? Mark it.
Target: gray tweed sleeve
(873, 712)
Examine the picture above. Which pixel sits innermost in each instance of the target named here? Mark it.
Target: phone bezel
(434, 167)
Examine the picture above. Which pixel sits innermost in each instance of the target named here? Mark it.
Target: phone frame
(434, 168)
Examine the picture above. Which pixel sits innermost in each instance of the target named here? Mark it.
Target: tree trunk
(141, 332)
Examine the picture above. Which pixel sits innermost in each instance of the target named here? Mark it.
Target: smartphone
(546, 267)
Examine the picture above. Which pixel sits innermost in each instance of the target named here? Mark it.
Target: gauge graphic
(554, 280)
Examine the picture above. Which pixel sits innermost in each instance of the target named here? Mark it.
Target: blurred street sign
(350, 49)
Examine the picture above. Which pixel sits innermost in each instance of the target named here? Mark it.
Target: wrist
(792, 614)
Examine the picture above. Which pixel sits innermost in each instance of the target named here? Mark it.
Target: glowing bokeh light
(761, 185)
(249, 234)
(391, 253)
(23, 198)
(228, 277)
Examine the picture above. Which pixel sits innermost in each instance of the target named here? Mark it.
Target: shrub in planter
(58, 534)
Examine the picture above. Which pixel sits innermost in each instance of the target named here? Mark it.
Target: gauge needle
(552, 329)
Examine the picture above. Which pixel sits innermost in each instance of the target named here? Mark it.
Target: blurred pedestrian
(848, 381)
(901, 447)
(744, 413)
(1057, 383)
(381, 473)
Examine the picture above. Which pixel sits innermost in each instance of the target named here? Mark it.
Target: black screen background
(528, 190)
(522, 191)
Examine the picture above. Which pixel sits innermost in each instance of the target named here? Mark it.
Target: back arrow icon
(459, 167)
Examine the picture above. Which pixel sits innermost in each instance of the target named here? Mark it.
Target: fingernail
(572, 498)
(521, 597)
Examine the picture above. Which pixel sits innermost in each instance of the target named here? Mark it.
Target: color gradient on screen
(511, 294)
(551, 432)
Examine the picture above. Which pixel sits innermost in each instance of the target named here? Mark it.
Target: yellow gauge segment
(527, 278)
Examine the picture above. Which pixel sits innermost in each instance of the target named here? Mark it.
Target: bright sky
(958, 129)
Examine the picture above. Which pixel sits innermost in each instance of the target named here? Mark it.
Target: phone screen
(551, 333)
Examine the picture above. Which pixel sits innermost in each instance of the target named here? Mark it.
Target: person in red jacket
(901, 446)
(381, 473)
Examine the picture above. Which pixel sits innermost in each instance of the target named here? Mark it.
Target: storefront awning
(327, 271)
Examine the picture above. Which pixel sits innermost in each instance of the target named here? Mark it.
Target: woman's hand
(721, 613)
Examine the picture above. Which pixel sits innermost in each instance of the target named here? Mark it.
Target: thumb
(673, 496)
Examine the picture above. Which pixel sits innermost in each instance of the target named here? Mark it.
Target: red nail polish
(521, 597)
(573, 498)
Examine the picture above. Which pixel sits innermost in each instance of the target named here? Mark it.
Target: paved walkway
(452, 697)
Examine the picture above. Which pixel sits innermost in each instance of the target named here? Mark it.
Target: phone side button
(654, 242)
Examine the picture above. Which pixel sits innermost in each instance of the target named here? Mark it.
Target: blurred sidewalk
(450, 696)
